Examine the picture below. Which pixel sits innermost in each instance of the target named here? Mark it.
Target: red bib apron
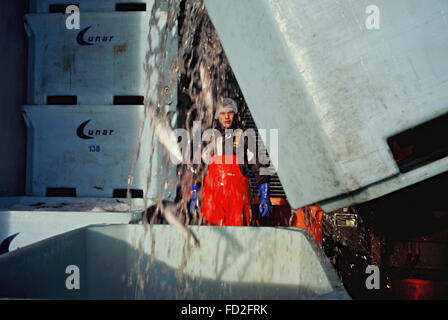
(226, 193)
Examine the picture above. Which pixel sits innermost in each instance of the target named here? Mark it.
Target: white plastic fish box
(101, 63)
(359, 112)
(55, 6)
(88, 151)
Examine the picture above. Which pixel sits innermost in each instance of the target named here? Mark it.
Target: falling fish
(169, 212)
(168, 139)
(206, 87)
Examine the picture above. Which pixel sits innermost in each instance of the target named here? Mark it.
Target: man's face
(225, 118)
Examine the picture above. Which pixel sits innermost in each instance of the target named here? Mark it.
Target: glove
(194, 203)
(265, 204)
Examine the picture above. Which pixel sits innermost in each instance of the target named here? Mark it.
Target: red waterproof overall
(226, 193)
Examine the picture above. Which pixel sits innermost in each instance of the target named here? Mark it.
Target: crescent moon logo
(80, 130)
(80, 37)
(4, 245)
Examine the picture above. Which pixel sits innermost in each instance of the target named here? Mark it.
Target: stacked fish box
(85, 110)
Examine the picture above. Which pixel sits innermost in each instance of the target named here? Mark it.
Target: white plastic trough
(231, 263)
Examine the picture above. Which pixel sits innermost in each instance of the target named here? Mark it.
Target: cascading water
(185, 59)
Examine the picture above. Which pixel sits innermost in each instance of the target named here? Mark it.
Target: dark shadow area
(405, 234)
(60, 8)
(61, 192)
(420, 145)
(415, 211)
(62, 100)
(13, 91)
(130, 7)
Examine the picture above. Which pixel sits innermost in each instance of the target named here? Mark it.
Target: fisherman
(226, 198)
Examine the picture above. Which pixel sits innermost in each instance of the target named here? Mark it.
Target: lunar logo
(91, 132)
(91, 40)
(80, 37)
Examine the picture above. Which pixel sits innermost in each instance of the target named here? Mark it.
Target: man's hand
(265, 206)
(194, 202)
